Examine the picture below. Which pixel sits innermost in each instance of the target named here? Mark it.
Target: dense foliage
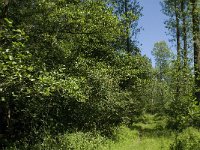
(71, 69)
(60, 69)
(189, 139)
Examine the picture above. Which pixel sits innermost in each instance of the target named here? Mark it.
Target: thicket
(60, 70)
(189, 139)
(71, 68)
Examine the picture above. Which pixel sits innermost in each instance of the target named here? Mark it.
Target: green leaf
(10, 57)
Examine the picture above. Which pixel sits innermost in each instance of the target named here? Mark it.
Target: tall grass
(144, 137)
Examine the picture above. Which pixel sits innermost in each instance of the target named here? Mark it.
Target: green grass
(147, 135)
(143, 143)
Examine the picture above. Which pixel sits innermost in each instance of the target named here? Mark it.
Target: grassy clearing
(136, 141)
(148, 135)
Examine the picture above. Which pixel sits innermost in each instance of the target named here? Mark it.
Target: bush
(189, 139)
(122, 133)
(67, 141)
(73, 141)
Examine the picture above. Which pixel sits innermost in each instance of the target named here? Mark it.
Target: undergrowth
(149, 134)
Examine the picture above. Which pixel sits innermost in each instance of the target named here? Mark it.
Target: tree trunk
(178, 45)
(185, 51)
(4, 13)
(196, 46)
(127, 27)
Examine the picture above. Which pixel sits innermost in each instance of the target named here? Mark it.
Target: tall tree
(171, 8)
(182, 84)
(184, 11)
(196, 44)
(127, 27)
(129, 12)
(179, 27)
(160, 83)
(178, 42)
(162, 54)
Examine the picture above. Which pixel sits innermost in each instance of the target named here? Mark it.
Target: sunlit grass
(148, 135)
(145, 143)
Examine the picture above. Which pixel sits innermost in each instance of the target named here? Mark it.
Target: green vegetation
(72, 77)
(189, 139)
(147, 135)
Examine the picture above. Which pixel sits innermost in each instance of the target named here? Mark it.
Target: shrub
(67, 141)
(73, 141)
(122, 133)
(189, 139)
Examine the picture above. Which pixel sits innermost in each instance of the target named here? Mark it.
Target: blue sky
(153, 24)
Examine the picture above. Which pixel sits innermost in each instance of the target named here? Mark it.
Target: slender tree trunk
(178, 45)
(6, 106)
(127, 27)
(196, 46)
(4, 12)
(185, 51)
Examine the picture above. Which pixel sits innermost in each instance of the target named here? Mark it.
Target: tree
(185, 24)
(196, 46)
(171, 8)
(162, 55)
(179, 27)
(160, 83)
(129, 12)
(15, 68)
(72, 76)
(71, 49)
